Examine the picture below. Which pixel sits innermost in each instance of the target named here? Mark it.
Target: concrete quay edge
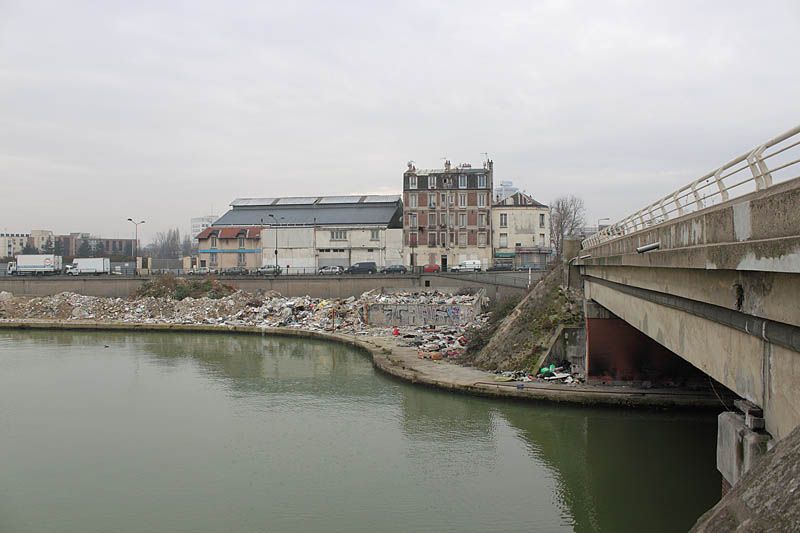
(402, 363)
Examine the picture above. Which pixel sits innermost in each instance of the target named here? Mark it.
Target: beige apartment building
(229, 246)
(521, 227)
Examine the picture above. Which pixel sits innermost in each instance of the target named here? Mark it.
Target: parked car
(470, 265)
(499, 267)
(200, 271)
(363, 267)
(431, 267)
(331, 270)
(269, 270)
(236, 271)
(530, 266)
(394, 269)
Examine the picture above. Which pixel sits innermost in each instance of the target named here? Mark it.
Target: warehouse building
(303, 234)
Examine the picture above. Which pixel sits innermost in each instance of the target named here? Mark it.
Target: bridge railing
(775, 161)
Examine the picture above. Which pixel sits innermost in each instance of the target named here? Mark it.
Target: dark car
(394, 269)
(499, 267)
(363, 267)
(431, 267)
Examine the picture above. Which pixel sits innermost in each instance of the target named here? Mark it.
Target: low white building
(312, 232)
(521, 231)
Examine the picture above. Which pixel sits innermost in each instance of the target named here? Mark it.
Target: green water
(124, 432)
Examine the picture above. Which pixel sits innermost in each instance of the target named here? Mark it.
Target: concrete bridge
(708, 278)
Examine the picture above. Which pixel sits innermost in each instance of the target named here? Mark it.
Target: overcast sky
(167, 110)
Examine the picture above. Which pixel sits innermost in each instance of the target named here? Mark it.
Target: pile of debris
(240, 308)
(550, 373)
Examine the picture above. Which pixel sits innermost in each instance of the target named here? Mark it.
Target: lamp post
(276, 241)
(135, 242)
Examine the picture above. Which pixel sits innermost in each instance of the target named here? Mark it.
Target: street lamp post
(135, 242)
(276, 241)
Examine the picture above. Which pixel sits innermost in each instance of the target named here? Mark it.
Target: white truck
(89, 265)
(35, 265)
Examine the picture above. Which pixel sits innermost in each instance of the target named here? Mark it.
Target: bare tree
(167, 245)
(187, 246)
(567, 217)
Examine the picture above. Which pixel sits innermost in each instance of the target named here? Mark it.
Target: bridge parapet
(770, 163)
(759, 231)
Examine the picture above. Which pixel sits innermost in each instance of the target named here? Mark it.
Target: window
(374, 234)
(431, 182)
(412, 182)
(481, 239)
(241, 242)
(462, 220)
(482, 199)
(541, 220)
(370, 250)
(541, 239)
(462, 181)
(503, 220)
(462, 199)
(412, 239)
(432, 219)
(444, 199)
(443, 219)
(241, 260)
(431, 239)
(213, 259)
(481, 220)
(432, 200)
(504, 240)
(452, 198)
(213, 244)
(452, 219)
(519, 244)
(462, 239)
(339, 235)
(412, 220)
(481, 181)
(412, 200)
(443, 239)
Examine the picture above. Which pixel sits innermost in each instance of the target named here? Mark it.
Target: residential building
(201, 223)
(70, 245)
(447, 215)
(12, 244)
(41, 239)
(221, 247)
(504, 190)
(311, 232)
(521, 227)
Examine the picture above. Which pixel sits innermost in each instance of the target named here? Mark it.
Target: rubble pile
(239, 309)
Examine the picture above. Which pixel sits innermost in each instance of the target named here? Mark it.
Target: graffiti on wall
(419, 314)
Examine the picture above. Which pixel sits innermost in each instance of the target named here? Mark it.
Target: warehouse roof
(320, 210)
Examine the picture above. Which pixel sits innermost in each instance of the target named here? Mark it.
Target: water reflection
(605, 469)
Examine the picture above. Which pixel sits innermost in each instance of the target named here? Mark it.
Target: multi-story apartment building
(12, 244)
(521, 231)
(447, 215)
(307, 233)
(70, 245)
(41, 239)
(200, 223)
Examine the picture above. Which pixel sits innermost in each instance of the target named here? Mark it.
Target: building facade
(198, 224)
(12, 244)
(521, 227)
(311, 232)
(447, 215)
(222, 247)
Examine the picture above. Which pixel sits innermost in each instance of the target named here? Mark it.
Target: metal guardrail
(783, 152)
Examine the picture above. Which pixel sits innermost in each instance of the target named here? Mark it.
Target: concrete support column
(741, 441)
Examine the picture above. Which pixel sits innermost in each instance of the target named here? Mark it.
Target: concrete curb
(401, 363)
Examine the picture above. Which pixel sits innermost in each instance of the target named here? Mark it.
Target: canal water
(131, 432)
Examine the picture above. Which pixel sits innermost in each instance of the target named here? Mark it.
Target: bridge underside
(759, 365)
